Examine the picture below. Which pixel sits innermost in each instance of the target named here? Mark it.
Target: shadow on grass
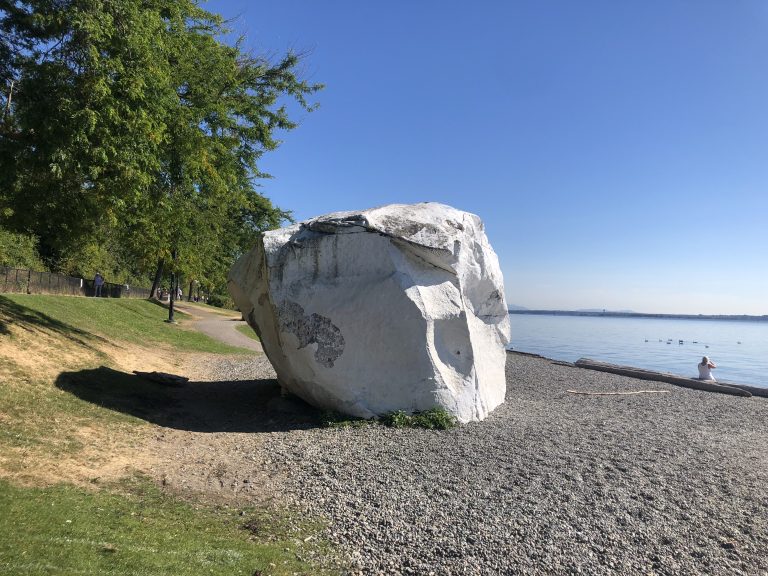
(237, 406)
(166, 305)
(25, 317)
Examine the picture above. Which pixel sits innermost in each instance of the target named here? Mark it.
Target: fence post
(65, 285)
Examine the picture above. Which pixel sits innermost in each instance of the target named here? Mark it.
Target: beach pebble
(549, 483)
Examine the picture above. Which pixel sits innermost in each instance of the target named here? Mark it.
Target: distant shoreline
(739, 317)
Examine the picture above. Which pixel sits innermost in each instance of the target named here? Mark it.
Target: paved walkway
(219, 326)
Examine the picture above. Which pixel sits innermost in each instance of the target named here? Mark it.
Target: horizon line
(607, 312)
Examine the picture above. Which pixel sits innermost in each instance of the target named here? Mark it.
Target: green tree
(85, 124)
(134, 120)
(204, 202)
(19, 251)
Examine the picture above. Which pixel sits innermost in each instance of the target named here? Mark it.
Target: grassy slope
(136, 321)
(248, 331)
(65, 529)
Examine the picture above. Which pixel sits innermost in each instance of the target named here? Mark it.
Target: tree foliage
(19, 251)
(133, 121)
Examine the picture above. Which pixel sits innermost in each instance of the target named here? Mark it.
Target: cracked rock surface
(394, 308)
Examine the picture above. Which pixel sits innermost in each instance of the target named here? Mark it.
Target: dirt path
(202, 440)
(209, 446)
(209, 443)
(219, 325)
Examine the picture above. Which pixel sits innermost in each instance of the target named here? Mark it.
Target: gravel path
(219, 326)
(551, 483)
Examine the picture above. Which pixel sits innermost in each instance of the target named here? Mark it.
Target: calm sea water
(739, 348)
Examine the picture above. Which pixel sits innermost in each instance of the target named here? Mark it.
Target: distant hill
(604, 310)
(628, 314)
(516, 308)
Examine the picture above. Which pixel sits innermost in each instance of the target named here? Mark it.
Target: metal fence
(24, 281)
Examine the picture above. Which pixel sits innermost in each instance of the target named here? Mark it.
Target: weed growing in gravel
(397, 419)
(434, 419)
(331, 419)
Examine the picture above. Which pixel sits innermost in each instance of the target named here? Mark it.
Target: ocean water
(739, 348)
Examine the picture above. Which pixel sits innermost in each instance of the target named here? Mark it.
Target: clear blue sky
(617, 151)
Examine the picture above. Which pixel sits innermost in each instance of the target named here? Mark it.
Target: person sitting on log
(705, 369)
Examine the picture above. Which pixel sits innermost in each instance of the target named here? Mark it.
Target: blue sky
(617, 151)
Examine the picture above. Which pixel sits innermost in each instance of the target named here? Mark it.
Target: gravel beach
(551, 483)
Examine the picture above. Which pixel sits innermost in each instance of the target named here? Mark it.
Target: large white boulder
(400, 307)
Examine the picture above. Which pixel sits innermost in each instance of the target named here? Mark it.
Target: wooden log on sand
(163, 378)
(754, 390)
(618, 393)
(734, 390)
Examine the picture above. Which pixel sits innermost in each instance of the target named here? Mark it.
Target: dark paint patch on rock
(312, 329)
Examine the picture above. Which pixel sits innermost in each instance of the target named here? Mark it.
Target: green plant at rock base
(331, 419)
(397, 419)
(433, 419)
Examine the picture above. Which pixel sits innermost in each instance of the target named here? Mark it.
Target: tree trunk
(189, 293)
(174, 288)
(171, 297)
(8, 102)
(158, 278)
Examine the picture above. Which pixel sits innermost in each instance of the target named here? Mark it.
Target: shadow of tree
(12, 312)
(227, 406)
(165, 305)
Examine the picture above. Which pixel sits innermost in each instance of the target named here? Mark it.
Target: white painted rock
(395, 308)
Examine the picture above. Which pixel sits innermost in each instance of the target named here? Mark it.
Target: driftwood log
(754, 390)
(163, 378)
(733, 389)
(618, 393)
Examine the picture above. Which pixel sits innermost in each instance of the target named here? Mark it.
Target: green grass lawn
(65, 530)
(131, 528)
(247, 330)
(42, 414)
(132, 320)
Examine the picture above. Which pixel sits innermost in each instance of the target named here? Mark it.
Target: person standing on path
(98, 282)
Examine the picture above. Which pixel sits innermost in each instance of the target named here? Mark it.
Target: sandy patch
(31, 359)
(89, 450)
(43, 355)
(105, 457)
